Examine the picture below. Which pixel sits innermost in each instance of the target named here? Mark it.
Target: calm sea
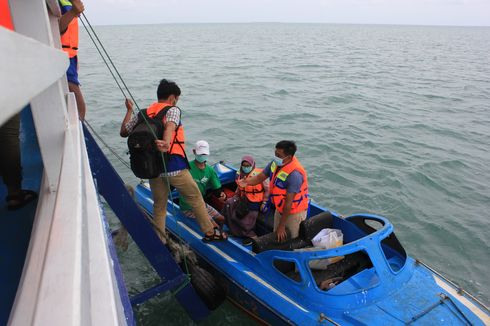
(391, 120)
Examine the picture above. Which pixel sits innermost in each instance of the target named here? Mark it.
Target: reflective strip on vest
(278, 194)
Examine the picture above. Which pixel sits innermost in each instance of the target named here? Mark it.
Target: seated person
(242, 209)
(206, 179)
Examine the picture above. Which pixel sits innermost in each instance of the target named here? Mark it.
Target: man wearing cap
(206, 179)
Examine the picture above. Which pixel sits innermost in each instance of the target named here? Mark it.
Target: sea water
(390, 120)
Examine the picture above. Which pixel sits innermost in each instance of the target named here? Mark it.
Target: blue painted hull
(391, 289)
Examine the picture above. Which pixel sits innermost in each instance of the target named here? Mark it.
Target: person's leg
(10, 166)
(189, 214)
(247, 224)
(159, 191)
(74, 86)
(230, 217)
(79, 97)
(188, 189)
(293, 222)
(215, 215)
(277, 219)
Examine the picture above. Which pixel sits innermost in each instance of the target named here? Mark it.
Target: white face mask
(279, 161)
(201, 158)
(246, 169)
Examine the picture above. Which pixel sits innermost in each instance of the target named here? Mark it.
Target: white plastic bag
(328, 238)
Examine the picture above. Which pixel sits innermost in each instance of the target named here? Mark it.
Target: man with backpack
(157, 149)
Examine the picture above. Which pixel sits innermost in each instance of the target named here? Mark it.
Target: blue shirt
(292, 183)
(64, 9)
(176, 163)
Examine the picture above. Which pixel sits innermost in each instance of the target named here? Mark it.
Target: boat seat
(307, 230)
(269, 242)
(313, 225)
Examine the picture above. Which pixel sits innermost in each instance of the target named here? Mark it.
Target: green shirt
(205, 179)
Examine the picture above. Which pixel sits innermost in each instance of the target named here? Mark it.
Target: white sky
(413, 12)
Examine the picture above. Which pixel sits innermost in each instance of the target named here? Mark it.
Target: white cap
(202, 147)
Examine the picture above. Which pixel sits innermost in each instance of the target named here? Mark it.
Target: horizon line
(303, 23)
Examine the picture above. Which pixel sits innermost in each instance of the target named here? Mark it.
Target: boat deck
(16, 226)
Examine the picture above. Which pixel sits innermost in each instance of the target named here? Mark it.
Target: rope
(110, 60)
(183, 285)
(98, 44)
(102, 56)
(92, 130)
(460, 290)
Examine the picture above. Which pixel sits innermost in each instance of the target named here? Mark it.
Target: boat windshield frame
(370, 244)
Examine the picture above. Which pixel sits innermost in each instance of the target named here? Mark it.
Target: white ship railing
(68, 276)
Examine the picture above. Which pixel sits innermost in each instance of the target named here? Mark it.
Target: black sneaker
(247, 241)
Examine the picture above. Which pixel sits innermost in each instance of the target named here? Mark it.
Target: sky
(403, 12)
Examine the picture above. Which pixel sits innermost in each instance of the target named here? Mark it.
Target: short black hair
(167, 88)
(288, 147)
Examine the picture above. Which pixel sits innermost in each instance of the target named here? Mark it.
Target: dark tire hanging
(207, 287)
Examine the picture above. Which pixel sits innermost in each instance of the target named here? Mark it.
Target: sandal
(217, 235)
(18, 201)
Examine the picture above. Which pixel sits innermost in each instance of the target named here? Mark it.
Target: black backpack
(146, 160)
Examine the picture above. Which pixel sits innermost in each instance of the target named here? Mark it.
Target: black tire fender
(207, 287)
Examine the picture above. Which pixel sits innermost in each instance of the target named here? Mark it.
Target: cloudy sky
(415, 12)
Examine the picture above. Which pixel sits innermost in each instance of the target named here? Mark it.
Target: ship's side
(67, 275)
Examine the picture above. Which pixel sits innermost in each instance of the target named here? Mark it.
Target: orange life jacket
(177, 142)
(5, 17)
(69, 39)
(278, 191)
(255, 194)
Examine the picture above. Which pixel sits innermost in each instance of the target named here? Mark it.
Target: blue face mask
(278, 160)
(201, 158)
(246, 169)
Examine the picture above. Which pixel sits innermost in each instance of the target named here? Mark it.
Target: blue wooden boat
(371, 282)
